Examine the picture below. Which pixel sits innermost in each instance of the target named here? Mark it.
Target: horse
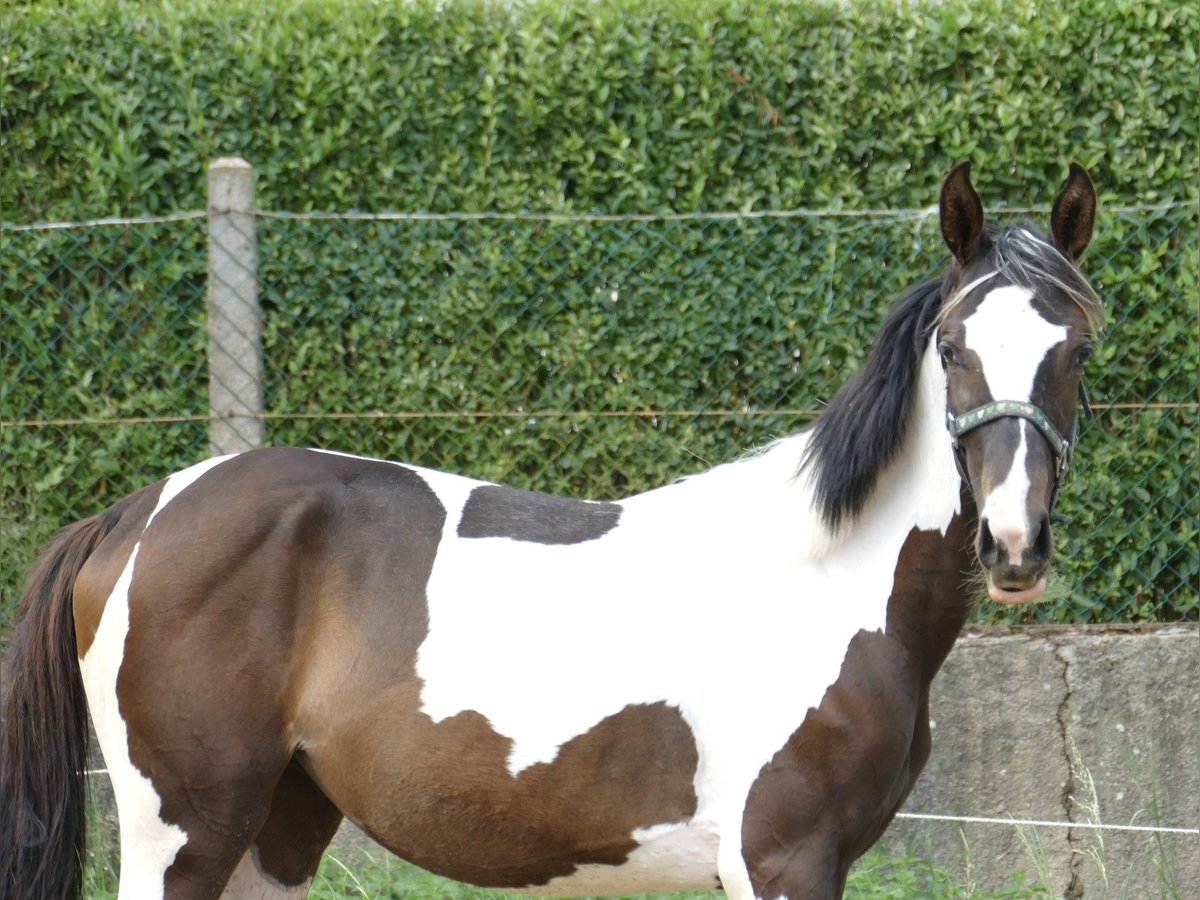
(720, 683)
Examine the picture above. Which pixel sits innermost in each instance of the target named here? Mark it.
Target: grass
(380, 876)
(103, 851)
(350, 874)
(1096, 858)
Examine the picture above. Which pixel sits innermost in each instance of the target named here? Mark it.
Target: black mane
(861, 430)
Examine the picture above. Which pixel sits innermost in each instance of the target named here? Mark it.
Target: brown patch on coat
(235, 580)
(831, 790)
(496, 511)
(441, 795)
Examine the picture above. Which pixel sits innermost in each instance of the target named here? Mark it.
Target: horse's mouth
(1016, 595)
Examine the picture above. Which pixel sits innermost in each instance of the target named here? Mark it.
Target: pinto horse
(723, 682)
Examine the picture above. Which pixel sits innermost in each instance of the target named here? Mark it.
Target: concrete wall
(1025, 719)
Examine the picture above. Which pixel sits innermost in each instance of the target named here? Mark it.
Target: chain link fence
(595, 356)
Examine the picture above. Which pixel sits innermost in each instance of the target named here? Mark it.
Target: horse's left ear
(1074, 214)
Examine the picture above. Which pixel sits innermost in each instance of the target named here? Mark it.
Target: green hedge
(591, 105)
(580, 107)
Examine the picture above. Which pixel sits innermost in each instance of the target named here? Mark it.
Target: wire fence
(590, 355)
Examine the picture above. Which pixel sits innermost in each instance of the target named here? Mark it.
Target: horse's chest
(840, 776)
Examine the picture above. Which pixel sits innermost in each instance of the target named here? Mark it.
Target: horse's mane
(865, 424)
(859, 433)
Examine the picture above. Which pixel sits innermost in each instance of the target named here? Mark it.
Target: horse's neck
(759, 506)
(922, 497)
(933, 594)
(910, 545)
(913, 535)
(921, 487)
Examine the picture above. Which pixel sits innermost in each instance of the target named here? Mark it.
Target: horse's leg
(196, 751)
(182, 835)
(247, 819)
(214, 814)
(283, 859)
(192, 789)
(219, 820)
(829, 792)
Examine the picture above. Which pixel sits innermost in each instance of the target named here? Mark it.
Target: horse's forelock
(1024, 257)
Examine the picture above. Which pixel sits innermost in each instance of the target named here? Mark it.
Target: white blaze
(1011, 338)
(1005, 507)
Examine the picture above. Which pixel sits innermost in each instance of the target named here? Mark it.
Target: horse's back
(246, 545)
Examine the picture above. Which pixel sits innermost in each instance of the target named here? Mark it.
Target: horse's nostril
(1044, 543)
(988, 551)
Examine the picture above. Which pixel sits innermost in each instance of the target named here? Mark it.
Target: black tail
(43, 750)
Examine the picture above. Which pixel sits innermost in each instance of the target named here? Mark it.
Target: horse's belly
(677, 857)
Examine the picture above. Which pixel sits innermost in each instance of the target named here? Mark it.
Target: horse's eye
(1082, 355)
(949, 354)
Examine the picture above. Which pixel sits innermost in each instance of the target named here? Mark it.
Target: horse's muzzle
(1015, 562)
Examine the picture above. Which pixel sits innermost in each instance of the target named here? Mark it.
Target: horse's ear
(961, 213)
(1074, 214)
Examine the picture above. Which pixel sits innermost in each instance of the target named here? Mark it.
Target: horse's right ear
(1074, 215)
(961, 213)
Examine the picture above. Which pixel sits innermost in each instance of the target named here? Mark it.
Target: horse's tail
(43, 750)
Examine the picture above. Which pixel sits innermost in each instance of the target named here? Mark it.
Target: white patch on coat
(681, 851)
(148, 844)
(706, 591)
(1011, 339)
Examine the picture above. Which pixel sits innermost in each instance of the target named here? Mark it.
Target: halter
(1061, 447)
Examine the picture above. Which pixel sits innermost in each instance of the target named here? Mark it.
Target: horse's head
(1013, 336)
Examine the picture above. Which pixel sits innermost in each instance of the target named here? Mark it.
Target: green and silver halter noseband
(1061, 447)
(1003, 409)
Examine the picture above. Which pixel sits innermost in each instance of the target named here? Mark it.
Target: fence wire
(596, 356)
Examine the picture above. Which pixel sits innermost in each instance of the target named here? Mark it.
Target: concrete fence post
(235, 388)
